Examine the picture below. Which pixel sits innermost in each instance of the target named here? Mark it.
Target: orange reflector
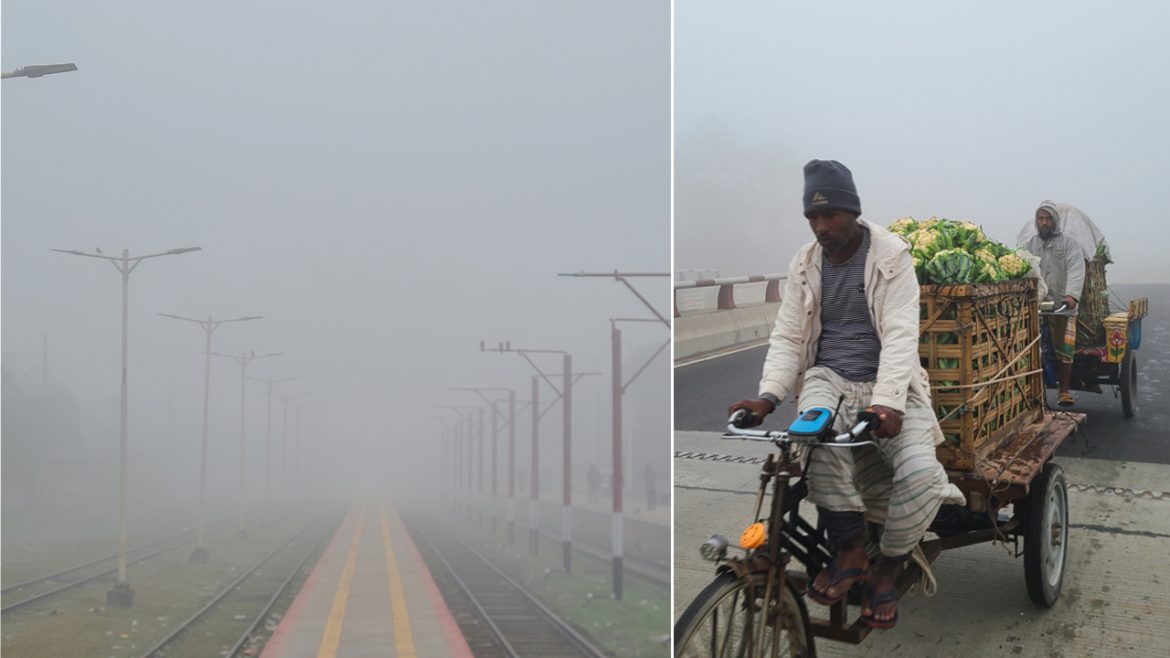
(753, 536)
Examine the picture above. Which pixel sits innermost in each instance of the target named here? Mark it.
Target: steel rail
(247, 636)
(83, 581)
(111, 556)
(169, 637)
(487, 619)
(578, 640)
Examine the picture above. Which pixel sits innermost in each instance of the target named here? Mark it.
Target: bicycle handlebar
(1049, 308)
(866, 421)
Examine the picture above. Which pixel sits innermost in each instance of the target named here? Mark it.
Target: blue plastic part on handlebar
(811, 422)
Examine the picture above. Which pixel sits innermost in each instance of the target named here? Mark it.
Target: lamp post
(38, 70)
(269, 383)
(122, 595)
(299, 475)
(285, 397)
(199, 555)
(244, 359)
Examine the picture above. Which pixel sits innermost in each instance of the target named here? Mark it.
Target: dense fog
(386, 184)
(975, 112)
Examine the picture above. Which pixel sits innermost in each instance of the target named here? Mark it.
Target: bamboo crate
(1093, 304)
(973, 334)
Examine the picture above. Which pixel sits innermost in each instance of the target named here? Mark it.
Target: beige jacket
(891, 291)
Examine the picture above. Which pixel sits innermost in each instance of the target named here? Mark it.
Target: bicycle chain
(1128, 492)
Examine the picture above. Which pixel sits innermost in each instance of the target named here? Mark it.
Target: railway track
(60, 581)
(239, 608)
(497, 615)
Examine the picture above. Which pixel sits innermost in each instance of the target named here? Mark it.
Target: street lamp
(199, 555)
(299, 472)
(244, 359)
(39, 70)
(122, 595)
(269, 383)
(285, 397)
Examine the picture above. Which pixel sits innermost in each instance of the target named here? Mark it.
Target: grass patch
(167, 590)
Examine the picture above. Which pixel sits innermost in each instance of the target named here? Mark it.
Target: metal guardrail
(726, 296)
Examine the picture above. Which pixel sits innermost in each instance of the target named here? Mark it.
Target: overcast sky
(972, 110)
(387, 183)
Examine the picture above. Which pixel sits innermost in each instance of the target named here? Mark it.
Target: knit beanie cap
(828, 185)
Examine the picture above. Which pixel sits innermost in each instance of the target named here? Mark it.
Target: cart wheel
(1127, 380)
(722, 621)
(1046, 535)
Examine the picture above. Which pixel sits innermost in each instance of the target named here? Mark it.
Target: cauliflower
(925, 240)
(903, 226)
(971, 227)
(1013, 266)
(985, 255)
(990, 271)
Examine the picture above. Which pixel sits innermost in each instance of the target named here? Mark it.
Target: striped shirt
(849, 345)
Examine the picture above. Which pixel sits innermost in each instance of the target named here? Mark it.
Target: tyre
(722, 621)
(1046, 535)
(1127, 381)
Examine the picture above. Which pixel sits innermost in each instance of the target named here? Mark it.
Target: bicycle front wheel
(724, 621)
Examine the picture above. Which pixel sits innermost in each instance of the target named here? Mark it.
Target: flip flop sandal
(1067, 400)
(873, 600)
(857, 575)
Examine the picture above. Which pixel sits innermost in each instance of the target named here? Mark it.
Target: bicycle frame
(795, 537)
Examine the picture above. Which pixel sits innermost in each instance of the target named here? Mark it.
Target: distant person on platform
(593, 477)
(1063, 267)
(848, 331)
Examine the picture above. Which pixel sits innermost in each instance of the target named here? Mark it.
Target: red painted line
(455, 639)
(275, 643)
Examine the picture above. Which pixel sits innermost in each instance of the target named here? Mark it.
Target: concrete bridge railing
(714, 315)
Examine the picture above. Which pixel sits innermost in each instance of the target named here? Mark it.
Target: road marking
(719, 355)
(332, 636)
(403, 641)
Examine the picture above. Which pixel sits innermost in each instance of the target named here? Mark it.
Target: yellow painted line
(403, 641)
(332, 636)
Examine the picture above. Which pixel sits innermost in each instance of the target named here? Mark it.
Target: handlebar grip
(870, 418)
(743, 419)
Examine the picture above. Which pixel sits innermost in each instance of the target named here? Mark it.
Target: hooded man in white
(1062, 265)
